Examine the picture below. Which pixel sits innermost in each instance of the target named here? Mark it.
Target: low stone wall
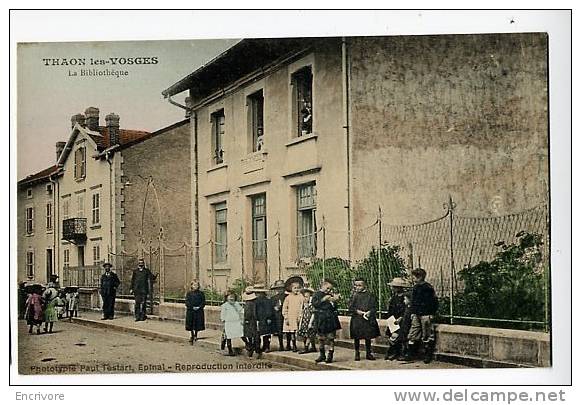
(474, 345)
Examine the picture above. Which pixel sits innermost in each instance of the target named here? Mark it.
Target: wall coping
(441, 328)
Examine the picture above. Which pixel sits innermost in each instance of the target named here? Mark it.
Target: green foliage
(238, 287)
(511, 286)
(341, 272)
(213, 296)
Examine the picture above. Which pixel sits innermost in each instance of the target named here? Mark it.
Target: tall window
(30, 264)
(66, 258)
(30, 220)
(306, 220)
(66, 207)
(259, 226)
(49, 216)
(81, 206)
(96, 254)
(221, 215)
(256, 105)
(96, 208)
(218, 121)
(302, 82)
(80, 163)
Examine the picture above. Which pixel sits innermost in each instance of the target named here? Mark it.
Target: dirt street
(77, 349)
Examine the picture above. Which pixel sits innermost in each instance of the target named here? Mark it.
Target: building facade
(291, 134)
(36, 223)
(155, 201)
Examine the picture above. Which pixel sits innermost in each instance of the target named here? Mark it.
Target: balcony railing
(82, 276)
(75, 229)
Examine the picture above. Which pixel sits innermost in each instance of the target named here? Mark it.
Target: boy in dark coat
(423, 307)
(363, 324)
(278, 320)
(195, 303)
(326, 319)
(258, 315)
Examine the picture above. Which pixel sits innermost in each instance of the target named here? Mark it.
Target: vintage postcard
(283, 204)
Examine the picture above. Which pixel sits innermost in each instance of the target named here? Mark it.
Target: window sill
(50, 231)
(96, 226)
(256, 153)
(301, 139)
(220, 269)
(217, 167)
(29, 234)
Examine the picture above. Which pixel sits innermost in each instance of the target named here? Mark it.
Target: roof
(237, 61)
(101, 138)
(40, 176)
(125, 136)
(154, 134)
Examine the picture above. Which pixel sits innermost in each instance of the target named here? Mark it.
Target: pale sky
(48, 96)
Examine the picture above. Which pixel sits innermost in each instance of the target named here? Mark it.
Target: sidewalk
(210, 339)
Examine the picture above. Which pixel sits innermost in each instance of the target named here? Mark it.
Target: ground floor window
(30, 264)
(306, 220)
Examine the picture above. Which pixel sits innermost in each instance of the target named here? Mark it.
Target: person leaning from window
(108, 290)
(423, 308)
(140, 288)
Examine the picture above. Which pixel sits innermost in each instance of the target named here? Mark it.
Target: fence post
(212, 264)
(242, 258)
(379, 286)
(451, 205)
(185, 269)
(324, 246)
(161, 268)
(278, 243)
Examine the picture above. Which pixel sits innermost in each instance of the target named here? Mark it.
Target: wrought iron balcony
(75, 229)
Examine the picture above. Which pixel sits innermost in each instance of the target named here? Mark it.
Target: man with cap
(140, 286)
(279, 287)
(108, 290)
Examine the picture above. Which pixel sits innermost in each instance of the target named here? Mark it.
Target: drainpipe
(111, 199)
(55, 228)
(346, 106)
(196, 204)
(196, 225)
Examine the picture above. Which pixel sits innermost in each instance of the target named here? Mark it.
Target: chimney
(60, 146)
(112, 122)
(77, 118)
(92, 118)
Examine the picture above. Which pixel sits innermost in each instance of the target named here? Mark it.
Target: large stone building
(156, 202)
(290, 133)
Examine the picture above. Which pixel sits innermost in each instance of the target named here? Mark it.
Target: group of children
(47, 305)
(294, 311)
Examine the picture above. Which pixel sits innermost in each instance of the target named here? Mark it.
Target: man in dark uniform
(140, 287)
(278, 320)
(108, 290)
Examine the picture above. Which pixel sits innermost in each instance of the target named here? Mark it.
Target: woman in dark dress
(362, 309)
(195, 303)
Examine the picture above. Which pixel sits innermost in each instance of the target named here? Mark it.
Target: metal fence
(443, 247)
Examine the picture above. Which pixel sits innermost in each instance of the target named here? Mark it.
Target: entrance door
(49, 267)
(259, 237)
